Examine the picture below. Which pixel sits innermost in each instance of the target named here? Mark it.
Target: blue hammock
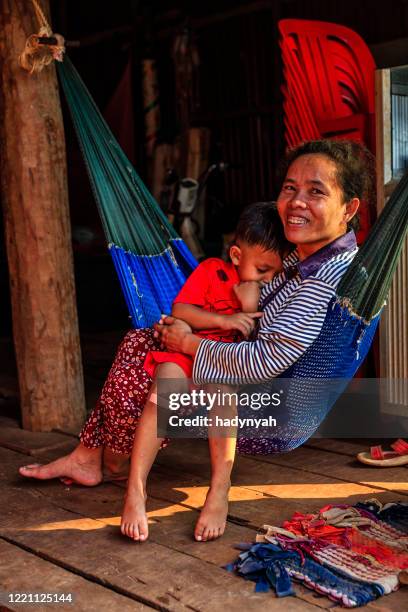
(314, 382)
(152, 263)
(151, 260)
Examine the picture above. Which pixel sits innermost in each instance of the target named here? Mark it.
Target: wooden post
(38, 237)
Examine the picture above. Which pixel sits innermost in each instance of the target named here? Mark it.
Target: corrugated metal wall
(399, 110)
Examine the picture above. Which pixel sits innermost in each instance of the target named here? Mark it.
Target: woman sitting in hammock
(323, 186)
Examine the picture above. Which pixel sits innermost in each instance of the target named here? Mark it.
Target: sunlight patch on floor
(87, 524)
(249, 492)
(195, 497)
(82, 524)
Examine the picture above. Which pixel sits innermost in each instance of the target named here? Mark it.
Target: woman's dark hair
(354, 163)
(259, 223)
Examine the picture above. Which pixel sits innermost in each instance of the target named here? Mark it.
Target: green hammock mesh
(151, 260)
(365, 285)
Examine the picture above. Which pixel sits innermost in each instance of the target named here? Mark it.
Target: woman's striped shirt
(294, 306)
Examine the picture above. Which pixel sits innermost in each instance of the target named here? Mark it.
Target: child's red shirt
(210, 287)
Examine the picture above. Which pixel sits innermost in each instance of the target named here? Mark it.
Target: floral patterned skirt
(113, 421)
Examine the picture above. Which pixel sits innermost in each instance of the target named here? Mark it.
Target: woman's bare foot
(134, 519)
(213, 516)
(82, 466)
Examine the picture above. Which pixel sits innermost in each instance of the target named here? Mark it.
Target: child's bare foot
(213, 517)
(134, 518)
(82, 466)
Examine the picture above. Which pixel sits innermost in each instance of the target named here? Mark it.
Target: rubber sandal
(379, 458)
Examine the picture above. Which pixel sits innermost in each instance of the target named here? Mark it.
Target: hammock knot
(38, 52)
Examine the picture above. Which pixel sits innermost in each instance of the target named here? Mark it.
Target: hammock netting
(152, 263)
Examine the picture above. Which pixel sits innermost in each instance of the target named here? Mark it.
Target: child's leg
(145, 448)
(222, 443)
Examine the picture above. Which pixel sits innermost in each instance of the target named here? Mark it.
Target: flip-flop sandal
(379, 458)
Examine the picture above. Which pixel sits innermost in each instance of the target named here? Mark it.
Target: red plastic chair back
(335, 62)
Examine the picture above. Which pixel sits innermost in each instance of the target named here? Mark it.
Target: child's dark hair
(260, 224)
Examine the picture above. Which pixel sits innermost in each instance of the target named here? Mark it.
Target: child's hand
(248, 293)
(243, 322)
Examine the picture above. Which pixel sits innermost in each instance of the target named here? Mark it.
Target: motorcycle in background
(182, 199)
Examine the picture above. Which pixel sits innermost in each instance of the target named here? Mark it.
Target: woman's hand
(243, 322)
(176, 335)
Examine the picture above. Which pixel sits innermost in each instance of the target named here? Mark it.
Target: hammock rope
(37, 55)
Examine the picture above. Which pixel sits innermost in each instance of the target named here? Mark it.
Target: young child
(219, 301)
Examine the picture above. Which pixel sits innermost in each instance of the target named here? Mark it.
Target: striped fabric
(295, 305)
(325, 558)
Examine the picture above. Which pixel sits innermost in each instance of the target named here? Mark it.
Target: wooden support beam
(38, 236)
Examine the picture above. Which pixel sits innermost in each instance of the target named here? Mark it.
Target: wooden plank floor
(66, 539)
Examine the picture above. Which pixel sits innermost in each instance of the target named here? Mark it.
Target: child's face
(254, 263)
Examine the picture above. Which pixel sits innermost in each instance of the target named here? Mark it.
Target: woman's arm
(282, 340)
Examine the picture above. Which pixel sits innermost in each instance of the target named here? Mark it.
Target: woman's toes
(205, 534)
(135, 532)
(28, 469)
(125, 529)
(198, 534)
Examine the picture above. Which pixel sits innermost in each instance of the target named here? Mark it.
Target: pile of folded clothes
(351, 554)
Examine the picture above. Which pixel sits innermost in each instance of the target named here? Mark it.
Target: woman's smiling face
(311, 204)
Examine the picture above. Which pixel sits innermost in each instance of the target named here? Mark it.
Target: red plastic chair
(333, 67)
(302, 111)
